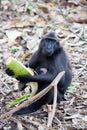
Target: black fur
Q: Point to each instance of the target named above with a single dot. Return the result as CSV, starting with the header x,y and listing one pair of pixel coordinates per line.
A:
x,y
48,61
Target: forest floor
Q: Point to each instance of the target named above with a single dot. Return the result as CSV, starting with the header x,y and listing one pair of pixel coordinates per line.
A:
x,y
22,23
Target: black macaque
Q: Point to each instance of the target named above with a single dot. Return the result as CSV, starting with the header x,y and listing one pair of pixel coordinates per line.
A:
x,y
47,61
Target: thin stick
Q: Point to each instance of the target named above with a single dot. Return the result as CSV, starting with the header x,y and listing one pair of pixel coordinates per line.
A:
x,y
49,124
34,98
17,121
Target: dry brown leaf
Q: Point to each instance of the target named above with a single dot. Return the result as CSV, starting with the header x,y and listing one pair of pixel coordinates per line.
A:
x,y
83,1
23,24
13,34
14,21
43,8
79,16
39,21
85,55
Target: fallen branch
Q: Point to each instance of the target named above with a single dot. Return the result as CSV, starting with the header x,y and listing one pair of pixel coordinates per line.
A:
x,y
34,98
52,113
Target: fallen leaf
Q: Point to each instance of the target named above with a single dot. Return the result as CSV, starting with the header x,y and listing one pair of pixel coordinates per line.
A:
x,y
13,34
43,8
2,41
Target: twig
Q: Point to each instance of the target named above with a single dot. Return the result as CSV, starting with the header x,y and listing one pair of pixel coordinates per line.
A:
x,y
16,121
59,123
34,98
7,87
49,114
1,90
35,123
0,4
54,107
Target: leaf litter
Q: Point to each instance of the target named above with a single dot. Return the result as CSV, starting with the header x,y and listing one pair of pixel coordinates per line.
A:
x,y
22,23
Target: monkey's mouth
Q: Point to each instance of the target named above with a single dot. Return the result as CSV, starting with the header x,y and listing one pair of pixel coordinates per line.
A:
x,y
47,53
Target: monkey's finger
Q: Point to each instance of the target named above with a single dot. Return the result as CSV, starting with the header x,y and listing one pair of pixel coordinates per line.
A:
x,y
9,72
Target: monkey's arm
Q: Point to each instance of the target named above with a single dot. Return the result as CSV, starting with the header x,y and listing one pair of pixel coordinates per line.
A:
x,y
37,78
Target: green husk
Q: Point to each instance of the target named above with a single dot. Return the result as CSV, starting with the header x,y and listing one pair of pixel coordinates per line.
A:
x,y
19,69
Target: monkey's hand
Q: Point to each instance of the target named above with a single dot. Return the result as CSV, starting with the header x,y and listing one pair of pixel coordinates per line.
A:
x,y
9,72
23,78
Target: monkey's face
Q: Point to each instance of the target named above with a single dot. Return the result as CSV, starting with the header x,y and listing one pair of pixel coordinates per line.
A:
x,y
48,47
